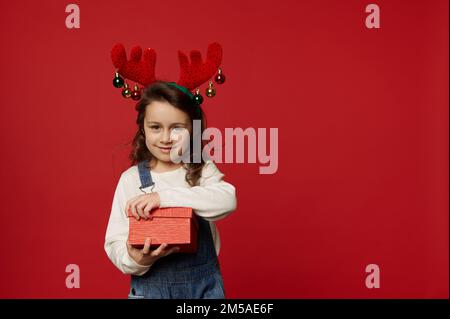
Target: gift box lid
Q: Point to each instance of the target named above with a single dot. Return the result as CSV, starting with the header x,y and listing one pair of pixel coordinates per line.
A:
x,y
173,212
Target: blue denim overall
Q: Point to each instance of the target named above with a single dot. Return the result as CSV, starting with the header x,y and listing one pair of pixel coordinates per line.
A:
x,y
181,275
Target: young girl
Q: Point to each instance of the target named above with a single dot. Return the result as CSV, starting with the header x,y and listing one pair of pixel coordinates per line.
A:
x,y
164,110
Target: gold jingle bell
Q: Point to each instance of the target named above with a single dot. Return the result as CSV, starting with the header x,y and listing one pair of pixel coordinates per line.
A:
x,y
126,92
210,91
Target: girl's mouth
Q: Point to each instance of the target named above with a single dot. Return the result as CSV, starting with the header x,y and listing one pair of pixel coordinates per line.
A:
x,y
165,149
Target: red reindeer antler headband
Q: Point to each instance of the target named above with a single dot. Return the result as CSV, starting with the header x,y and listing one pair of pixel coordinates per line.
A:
x,y
141,69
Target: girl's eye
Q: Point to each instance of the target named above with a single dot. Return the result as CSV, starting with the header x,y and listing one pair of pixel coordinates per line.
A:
x,y
157,127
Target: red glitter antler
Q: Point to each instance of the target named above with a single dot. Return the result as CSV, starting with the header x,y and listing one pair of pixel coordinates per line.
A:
x,y
140,69
194,74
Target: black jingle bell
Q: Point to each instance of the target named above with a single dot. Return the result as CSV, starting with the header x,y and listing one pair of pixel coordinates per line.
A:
x,y
118,82
198,99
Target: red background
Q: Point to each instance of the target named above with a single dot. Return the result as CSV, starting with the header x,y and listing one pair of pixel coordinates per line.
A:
x,y
363,142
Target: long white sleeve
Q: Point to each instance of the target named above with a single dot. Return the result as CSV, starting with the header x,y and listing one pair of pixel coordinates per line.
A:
x,y
117,235
214,199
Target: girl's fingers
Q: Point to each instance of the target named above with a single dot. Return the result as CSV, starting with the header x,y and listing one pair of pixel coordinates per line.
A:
x,y
147,210
139,208
132,206
159,250
133,213
133,210
146,248
128,209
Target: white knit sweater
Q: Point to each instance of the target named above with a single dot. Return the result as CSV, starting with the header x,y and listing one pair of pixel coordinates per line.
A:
x,y
213,199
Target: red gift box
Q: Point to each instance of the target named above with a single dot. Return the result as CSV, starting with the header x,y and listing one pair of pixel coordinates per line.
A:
x,y
176,226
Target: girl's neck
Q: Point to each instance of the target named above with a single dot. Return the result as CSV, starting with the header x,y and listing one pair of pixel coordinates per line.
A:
x,y
161,167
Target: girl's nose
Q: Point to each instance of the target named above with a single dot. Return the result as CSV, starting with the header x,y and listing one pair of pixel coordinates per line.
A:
x,y
166,137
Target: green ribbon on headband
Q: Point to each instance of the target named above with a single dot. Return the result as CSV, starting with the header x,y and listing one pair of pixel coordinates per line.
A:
x,y
198,110
182,88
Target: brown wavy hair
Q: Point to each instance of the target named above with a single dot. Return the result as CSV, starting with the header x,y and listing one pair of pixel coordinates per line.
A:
x,y
161,91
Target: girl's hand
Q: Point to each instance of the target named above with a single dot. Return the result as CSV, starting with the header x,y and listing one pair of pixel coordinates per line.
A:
x,y
147,257
141,205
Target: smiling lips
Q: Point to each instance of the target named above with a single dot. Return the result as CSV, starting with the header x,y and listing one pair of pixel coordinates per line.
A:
x,y
165,149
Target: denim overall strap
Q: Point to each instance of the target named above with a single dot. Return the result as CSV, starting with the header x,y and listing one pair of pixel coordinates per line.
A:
x,y
182,275
145,175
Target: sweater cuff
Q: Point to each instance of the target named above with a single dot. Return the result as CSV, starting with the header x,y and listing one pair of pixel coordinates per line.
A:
x,y
138,269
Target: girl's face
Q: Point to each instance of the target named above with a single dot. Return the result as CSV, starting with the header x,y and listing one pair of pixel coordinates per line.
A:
x,y
165,128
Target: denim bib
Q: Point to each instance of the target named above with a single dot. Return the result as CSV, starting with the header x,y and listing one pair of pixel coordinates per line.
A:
x,y
181,275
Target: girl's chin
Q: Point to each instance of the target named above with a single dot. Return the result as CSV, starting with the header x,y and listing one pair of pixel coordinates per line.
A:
x,y
164,157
